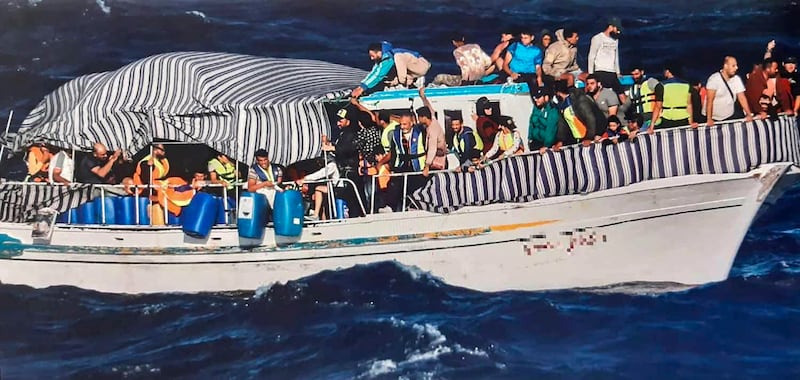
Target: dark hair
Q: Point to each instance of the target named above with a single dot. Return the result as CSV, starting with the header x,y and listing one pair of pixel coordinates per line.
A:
x,y
384,115
528,32
458,37
636,66
770,61
561,86
637,118
406,114
568,32
674,67
375,46
457,117
424,112
261,153
614,119
591,76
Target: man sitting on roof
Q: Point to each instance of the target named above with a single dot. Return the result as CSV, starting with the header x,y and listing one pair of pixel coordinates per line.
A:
x,y
392,66
523,62
474,63
561,57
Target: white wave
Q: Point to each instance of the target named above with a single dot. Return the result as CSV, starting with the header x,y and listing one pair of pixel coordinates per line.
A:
x,y
434,345
263,290
153,309
103,7
135,370
418,274
197,13
34,3
381,367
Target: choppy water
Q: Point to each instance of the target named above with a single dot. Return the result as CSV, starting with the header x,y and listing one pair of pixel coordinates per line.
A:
x,y
385,321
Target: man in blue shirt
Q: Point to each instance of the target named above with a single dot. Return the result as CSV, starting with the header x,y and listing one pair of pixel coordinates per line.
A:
x,y
523,62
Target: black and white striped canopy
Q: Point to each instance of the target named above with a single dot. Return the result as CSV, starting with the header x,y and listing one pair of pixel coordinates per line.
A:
x,y
233,103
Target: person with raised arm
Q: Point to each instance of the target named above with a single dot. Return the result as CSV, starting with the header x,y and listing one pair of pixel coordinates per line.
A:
x,y
435,142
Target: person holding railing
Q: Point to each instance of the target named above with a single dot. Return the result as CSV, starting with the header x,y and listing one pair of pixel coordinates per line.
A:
x,y
347,157
407,149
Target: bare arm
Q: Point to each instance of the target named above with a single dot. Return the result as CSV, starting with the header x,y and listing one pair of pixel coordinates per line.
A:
x,y
102,171
748,116
710,106
57,176
362,108
506,67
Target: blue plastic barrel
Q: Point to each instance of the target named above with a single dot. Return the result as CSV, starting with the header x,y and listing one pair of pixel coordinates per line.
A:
x,y
341,205
172,219
125,210
252,215
288,213
87,212
199,216
222,209
62,217
144,217
108,202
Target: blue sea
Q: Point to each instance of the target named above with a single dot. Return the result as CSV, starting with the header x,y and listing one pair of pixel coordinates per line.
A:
x,y
385,321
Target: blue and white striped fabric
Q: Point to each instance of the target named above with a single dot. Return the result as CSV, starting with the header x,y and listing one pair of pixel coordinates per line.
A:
x,y
729,148
233,103
19,203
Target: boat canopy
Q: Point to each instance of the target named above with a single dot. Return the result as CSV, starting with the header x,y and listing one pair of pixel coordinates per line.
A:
x,y
233,103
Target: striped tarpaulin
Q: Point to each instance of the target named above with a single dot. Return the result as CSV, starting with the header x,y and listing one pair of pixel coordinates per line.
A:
x,y
728,148
235,104
19,203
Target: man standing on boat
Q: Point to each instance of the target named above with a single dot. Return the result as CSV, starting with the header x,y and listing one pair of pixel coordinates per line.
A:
x,y
604,57
407,149
467,144
153,167
435,143
673,101
725,99
543,126
641,94
264,177
222,171
346,150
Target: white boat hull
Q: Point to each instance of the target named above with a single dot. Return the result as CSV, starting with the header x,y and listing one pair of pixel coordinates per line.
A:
x,y
683,230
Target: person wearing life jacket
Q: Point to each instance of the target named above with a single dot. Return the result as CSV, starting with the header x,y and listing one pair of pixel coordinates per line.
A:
x,y
507,142
581,120
38,160
151,168
641,95
467,144
673,101
543,127
407,150
485,122
222,171
523,62
264,177
153,171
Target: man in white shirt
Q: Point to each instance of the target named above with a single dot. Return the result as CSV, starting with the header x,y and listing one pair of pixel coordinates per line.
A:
x,y
725,97
61,169
604,57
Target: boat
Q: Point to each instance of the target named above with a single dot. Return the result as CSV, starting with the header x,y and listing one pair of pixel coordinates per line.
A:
x,y
671,207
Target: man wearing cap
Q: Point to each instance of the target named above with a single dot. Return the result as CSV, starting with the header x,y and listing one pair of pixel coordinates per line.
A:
x,y
346,150
673,101
789,71
604,56
264,177
543,125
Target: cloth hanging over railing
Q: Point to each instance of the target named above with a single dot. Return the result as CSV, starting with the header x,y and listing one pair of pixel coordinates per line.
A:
x,y
729,148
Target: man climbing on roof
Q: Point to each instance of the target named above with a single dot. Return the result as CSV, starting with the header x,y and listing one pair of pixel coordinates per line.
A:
x,y
392,66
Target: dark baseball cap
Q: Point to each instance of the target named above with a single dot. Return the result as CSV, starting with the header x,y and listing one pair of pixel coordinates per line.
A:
x,y
790,60
538,93
615,21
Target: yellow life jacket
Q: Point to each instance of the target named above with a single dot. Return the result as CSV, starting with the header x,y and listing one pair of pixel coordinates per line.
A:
x,y
458,141
226,172
160,169
676,97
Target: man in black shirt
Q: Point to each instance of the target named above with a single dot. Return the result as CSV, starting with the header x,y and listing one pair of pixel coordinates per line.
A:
x,y
790,72
96,168
346,149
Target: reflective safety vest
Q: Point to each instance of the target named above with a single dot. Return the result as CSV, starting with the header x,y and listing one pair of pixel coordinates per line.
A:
x,y
644,98
458,140
226,172
160,170
385,135
416,153
507,141
676,96
576,126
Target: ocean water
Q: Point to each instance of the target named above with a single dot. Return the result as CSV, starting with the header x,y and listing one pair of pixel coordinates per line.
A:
x,y
385,321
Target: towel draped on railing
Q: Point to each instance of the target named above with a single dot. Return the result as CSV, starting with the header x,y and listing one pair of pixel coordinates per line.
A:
x,y
728,148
